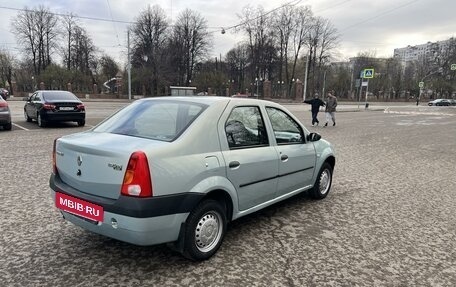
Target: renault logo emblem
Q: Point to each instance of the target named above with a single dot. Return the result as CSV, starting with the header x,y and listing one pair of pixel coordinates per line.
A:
x,y
79,160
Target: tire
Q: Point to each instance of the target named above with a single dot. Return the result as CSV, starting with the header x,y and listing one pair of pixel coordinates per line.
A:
x,y
81,123
26,116
40,121
204,230
323,183
8,127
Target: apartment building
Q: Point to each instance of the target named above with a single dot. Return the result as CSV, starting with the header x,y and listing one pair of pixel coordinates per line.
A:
x,y
428,50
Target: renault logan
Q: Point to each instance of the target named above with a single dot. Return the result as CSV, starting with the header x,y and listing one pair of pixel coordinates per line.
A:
x,y
178,169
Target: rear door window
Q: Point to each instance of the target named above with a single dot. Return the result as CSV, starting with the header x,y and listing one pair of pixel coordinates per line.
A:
x,y
245,128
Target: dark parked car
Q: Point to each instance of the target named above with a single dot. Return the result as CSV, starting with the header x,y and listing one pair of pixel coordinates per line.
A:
x,y
4,93
5,115
440,102
54,106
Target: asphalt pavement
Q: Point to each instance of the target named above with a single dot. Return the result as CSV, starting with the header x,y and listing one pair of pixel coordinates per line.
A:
x,y
388,221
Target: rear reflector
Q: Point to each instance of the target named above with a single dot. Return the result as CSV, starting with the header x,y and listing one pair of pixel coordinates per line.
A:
x,y
137,181
54,157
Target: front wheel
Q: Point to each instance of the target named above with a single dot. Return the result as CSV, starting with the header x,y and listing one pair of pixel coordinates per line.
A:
x,y
323,183
204,230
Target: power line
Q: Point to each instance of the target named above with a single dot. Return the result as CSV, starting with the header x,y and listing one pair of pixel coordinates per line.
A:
x,y
291,3
379,15
113,23
332,6
75,16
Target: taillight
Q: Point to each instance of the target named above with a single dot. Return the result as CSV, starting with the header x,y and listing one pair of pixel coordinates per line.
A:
x,y
48,107
54,157
137,181
3,106
80,107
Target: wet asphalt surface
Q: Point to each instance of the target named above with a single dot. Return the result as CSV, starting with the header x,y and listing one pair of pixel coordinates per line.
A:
x,y
388,221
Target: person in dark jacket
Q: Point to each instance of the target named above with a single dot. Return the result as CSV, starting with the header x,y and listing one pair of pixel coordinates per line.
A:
x,y
315,103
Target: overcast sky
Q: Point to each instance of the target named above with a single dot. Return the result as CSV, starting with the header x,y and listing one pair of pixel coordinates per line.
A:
x,y
376,26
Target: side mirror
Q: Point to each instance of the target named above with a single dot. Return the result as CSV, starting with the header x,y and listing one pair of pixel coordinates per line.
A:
x,y
313,137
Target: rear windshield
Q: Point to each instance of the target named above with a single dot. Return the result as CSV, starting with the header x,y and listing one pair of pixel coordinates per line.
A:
x,y
162,120
52,96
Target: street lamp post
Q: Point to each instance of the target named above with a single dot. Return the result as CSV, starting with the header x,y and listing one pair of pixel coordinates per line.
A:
x,y
257,85
305,78
281,88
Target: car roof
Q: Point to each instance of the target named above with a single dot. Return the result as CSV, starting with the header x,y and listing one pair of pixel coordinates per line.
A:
x,y
209,100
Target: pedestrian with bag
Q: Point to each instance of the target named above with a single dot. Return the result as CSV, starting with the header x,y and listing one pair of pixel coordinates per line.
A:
x,y
315,103
331,104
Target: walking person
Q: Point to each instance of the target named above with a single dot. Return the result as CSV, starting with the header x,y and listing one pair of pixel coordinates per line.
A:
x,y
315,103
331,104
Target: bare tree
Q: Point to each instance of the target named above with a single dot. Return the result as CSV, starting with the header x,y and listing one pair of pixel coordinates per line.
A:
x,y
302,22
257,26
69,24
191,41
37,31
109,67
283,25
323,38
6,69
149,40
237,59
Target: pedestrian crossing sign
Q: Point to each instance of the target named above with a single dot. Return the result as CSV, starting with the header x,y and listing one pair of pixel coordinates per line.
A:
x,y
368,73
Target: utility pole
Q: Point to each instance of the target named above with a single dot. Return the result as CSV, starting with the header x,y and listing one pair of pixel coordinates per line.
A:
x,y
129,65
305,78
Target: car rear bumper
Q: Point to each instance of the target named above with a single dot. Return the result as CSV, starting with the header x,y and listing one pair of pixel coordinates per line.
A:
x,y
63,116
138,231
140,221
5,118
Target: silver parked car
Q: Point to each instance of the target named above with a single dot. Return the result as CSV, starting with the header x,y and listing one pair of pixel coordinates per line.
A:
x,y
178,169
439,102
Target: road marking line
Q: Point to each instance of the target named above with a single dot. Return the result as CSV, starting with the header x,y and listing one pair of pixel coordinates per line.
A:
x,y
417,113
21,127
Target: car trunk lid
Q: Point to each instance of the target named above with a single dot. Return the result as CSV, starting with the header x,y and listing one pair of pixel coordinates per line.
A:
x,y
95,163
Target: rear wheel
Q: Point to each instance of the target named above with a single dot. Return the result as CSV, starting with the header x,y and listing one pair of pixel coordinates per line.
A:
x,y
204,230
40,121
26,116
323,183
81,123
8,127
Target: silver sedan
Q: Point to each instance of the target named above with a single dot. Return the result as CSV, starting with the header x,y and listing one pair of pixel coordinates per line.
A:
x,y
178,169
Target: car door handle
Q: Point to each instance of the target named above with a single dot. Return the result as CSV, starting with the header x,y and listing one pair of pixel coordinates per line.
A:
x,y
283,157
234,164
